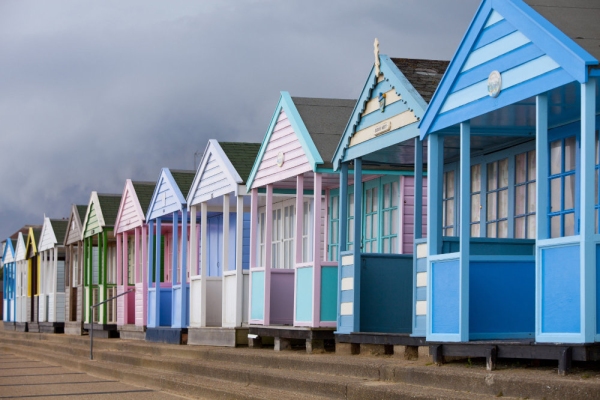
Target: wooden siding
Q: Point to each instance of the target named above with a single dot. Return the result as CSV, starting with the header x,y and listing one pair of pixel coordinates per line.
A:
x,y
74,229
129,217
408,213
166,200
283,139
92,224
47,239
213,181
20,250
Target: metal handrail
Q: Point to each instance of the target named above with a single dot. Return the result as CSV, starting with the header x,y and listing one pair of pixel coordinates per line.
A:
x,y
92,319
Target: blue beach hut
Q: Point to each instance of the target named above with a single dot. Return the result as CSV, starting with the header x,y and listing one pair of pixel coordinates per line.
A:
x,y
9,264
168,277
381,302
513,190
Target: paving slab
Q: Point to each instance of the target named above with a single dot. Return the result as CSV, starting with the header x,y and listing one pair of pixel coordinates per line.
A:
x,y
23,378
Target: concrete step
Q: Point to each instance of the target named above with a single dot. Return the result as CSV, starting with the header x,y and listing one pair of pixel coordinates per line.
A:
x,y
194,385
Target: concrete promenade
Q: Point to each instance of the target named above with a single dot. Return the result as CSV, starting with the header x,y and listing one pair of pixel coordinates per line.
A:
x,y
23,378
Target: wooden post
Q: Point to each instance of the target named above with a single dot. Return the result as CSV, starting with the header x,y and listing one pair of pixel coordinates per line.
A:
x,y
268,246
204,262
343,232
253,238
299,220
541,195
193,262
464,227
418,181
357,235
225,266
316,236
145,275
125,271
157,262
183,277
239,249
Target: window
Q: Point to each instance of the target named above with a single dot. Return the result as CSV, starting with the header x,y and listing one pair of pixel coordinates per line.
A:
x,y
350,234
525,170
497,199
371,230
562,187
476,200
130,260
448,197
389,236
307,228
334,227
261,239
282,235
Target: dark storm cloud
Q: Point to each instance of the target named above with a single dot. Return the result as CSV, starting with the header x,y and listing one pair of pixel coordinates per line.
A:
x,y
92,93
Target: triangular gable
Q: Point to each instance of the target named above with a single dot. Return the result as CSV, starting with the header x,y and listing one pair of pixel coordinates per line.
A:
x,y
20,251
8,255
94,220
507,36
47,239
215,177
288,136
130,213
403,108
167,197
31,245
74,227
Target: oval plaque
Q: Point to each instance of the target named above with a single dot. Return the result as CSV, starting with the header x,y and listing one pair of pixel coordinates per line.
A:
x,y
494,84
280,159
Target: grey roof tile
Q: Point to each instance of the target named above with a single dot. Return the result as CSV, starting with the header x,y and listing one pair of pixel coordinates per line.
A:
x,y
424,75
109,204
241,155
144,192
183,179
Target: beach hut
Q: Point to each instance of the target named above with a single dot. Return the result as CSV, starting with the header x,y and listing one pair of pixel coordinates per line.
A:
x,y
219,277
33,278
22,284
168,277
293,285
74,271
100,263
52,276
9,266
132,251
513,193
381,302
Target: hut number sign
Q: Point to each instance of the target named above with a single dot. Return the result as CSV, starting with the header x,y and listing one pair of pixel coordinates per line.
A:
x,y
494,84
280,159
382,128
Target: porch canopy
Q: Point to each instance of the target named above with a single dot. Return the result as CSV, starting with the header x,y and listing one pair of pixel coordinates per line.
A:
x,y
516,109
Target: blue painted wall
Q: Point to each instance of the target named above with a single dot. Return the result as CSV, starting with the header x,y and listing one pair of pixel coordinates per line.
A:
x,y
329,287
597,290
420,321
165,306
345,322
561,290
502,300
258,295
386,293
304,294
445,297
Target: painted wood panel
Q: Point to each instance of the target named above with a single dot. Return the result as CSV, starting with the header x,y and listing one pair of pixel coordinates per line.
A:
x,y
130,214
93,223
408,213
20,250
212,181
167,197
74,229
47,239
283,140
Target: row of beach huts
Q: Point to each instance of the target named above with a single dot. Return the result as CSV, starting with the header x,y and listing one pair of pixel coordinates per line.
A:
x,y
453,205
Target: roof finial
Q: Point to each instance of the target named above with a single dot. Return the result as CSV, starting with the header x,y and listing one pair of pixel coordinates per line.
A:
x,y
376,52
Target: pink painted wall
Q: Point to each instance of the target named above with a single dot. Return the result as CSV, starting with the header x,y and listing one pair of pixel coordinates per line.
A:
x,y
283,139
408,214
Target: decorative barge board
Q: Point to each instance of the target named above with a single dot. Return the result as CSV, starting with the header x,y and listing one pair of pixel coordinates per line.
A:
x,y
219,291
512,146
132,251
21,322
380,303
9,297
52,276
292,282
33,278
100,259
74,271
168,279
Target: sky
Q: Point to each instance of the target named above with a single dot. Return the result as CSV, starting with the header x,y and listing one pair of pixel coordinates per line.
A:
x,y
94,92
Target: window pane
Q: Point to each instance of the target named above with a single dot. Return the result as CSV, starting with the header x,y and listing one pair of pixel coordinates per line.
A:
x,y
555,226
395,194
387,195
503,172
531,227
492,176
449,212
351,205
368,227
335,212
520,228
369,202
491,230
450,184
450,232
475,228
555,157
570,224
375,226
503,204
570,153
394,222
475,208
393,245
569,192
386,223
596,187
555,195
520,200
491,206
503,229
475,178
335,231
375,199
386,245
520,168
532,168
531,197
